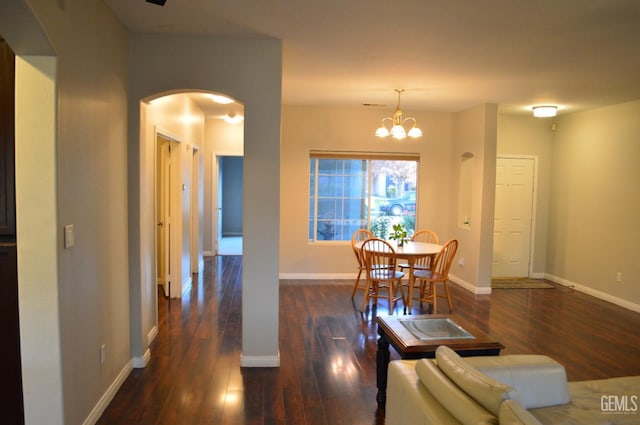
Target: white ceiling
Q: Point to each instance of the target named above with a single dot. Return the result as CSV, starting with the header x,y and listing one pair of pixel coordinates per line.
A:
x,y
447,54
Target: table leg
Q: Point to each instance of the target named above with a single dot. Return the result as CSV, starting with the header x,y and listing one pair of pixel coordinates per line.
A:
x,y
408,304
382,366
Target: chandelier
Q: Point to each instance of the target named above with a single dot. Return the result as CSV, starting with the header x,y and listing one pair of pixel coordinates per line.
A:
x,y
396,123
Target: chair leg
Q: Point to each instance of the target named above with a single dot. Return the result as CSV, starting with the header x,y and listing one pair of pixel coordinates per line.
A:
x,y
357,284
446,291
434,297
403,296
367,295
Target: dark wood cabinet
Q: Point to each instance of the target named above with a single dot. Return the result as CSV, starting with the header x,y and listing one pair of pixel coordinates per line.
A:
x,y
7,143
11,402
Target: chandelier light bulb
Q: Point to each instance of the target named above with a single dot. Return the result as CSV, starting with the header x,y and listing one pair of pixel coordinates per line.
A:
x,y
415,132
398,132
382,131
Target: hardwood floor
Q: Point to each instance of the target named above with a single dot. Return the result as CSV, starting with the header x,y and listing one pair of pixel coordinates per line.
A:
x,y
328,350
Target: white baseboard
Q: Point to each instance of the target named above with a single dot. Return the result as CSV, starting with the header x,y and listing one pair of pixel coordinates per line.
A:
x,y
537,275
260,361
468,286
318,276
594,293
153,333
106,398
141,362
351,276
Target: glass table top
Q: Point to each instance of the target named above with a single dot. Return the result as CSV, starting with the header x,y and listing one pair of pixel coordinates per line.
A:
x,y
428,329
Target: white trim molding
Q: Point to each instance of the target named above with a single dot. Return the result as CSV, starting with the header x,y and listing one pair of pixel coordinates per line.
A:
x,y
153,333
141,362
106,398
260,361
594,293
470,287
318,276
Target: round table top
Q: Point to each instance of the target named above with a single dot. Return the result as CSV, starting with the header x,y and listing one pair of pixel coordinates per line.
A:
x,y
416,249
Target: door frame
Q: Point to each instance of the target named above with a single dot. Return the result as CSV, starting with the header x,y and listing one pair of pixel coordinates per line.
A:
x,y
216,198
175,209
534,205
197,192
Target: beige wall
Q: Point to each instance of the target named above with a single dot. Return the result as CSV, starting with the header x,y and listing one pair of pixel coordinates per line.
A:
x,y
87,150
475,134
524,135
177,116
586,179
223,139
352,129
249,70
594,203
37,230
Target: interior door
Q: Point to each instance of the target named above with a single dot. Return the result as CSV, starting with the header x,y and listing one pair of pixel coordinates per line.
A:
x,y
513,217
164,201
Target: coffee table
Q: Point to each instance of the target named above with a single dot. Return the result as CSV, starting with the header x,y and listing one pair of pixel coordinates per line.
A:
x,y
416,337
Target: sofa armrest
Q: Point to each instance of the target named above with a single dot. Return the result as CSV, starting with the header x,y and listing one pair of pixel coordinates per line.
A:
x,y
539,380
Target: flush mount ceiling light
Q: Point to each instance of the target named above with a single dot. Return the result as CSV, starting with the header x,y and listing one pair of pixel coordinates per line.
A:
x,y
545,111
397,122
233,118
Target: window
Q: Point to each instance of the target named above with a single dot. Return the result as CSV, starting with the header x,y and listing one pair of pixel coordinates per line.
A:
x,y
352,191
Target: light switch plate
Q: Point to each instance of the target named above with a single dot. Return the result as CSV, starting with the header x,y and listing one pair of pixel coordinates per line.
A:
x,y
68,236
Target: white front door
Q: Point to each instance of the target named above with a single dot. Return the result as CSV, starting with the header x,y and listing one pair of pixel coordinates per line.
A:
x,y
513,217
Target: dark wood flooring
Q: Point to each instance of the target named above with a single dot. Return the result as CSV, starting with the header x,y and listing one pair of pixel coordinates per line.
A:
x,y
328,350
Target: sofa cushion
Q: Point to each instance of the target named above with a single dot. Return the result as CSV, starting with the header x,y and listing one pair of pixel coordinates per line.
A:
x,y
590,403
512,413
539,380
488,392
451,397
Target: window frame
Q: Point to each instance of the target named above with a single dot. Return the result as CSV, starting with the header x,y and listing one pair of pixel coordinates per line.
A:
x,y
312,199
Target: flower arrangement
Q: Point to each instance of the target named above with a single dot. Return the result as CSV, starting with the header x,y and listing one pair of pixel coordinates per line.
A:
x,y
399,234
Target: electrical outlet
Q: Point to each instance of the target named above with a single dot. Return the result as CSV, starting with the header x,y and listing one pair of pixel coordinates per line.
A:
x,y
619,277
103,353
68,236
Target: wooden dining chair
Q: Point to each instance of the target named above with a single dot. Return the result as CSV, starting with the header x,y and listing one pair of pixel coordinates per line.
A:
x,y
357,238
380,262
428,280
425,235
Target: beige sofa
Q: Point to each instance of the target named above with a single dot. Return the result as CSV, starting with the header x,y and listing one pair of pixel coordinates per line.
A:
x,y
510,389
